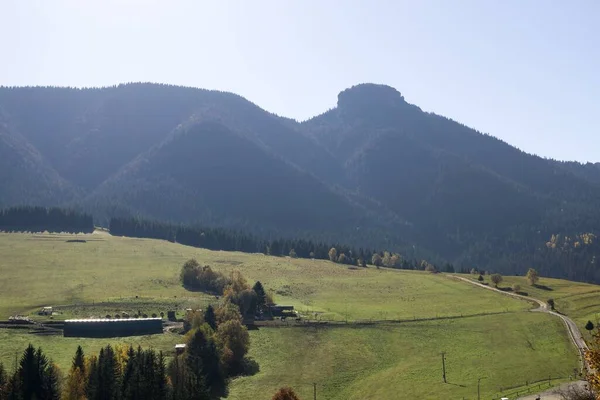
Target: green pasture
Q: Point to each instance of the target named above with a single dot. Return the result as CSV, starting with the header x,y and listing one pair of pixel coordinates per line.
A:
x,y
40,270
491,336
403,361
580,301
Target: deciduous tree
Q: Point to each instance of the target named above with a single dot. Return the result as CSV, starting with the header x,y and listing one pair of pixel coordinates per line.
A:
x,y
234,341
333,254
532,276
376,260
496,279
285,393
75,383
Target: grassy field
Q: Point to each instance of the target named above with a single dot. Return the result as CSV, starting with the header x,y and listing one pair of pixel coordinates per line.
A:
x,y
580,301
61,350
108,275
403,361
106,269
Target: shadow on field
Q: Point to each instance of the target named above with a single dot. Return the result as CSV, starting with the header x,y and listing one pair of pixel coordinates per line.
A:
x,y
543,287
456,384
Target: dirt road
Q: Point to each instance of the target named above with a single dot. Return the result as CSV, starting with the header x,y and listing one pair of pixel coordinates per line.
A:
x,y
572,329
553,394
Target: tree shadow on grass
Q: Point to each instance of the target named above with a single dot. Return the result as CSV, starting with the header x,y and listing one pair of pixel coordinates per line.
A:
x,y
456,384
543,287
249,367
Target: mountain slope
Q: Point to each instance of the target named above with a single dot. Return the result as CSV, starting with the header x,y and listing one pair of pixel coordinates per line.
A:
x,y
374,171
204,171
463,191
25,176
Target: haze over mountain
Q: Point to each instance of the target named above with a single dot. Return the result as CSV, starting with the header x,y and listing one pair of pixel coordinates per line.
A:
x,y
374,171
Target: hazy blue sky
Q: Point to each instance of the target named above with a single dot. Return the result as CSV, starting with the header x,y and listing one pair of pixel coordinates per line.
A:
x,y
526,71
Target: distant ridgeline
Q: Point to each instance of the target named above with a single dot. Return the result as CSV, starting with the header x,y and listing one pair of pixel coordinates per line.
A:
x,y
40,219
230,240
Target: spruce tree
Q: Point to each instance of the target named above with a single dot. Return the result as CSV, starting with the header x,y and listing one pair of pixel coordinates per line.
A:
x,y
3,381
79,360
260,294
589,326
204,373
210,317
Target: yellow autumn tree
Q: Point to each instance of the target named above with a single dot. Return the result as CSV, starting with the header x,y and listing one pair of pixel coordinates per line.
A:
x,y
592,357
74,388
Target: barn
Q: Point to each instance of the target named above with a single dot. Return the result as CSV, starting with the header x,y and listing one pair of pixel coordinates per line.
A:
x,y
104,327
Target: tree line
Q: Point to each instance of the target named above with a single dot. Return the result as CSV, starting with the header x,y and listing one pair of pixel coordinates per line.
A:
x,y
40,219
232,240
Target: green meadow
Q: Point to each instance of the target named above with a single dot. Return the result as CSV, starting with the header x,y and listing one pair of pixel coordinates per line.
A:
x,y
489,335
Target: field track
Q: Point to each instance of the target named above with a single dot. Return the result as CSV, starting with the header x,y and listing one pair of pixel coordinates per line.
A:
x,y
574,332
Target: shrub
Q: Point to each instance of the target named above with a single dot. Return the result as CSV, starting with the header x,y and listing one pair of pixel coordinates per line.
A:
x,y
195,277
516,288
285,393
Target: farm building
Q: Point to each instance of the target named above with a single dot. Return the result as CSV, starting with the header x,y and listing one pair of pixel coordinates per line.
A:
x,y
180,348
281,311
112,327
45,311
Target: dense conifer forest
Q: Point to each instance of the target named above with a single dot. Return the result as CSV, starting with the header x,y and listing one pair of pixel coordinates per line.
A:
x,y
41,219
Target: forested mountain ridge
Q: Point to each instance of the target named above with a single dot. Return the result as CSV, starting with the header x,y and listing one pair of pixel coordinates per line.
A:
x,y
374,171
25,176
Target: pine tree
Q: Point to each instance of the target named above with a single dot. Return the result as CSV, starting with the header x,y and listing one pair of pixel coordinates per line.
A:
x,y
79,360
3,381
210,317
75,383
108,376
260,294
203,363
589,326
93,379
36,377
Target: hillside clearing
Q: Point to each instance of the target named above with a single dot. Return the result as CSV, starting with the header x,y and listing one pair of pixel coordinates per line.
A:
x,y
53,271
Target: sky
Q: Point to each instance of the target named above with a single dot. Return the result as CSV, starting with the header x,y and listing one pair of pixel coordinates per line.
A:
x,y
525,71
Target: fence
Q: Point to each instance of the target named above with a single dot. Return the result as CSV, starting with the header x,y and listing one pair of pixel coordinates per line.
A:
x,y
532,387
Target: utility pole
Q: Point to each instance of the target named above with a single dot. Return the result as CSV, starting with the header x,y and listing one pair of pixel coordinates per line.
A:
x,y
315,390
444,366
478,381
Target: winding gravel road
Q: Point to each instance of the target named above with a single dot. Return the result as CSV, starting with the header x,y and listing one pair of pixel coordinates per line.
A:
x,y
572,329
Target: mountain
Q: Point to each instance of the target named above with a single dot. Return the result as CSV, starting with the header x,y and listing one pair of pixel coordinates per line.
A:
x,y
26,178
373,171
230,179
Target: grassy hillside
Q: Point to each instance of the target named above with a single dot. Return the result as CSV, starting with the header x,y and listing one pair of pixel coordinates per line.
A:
x,y
580,301
403,361
54,271
108,274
